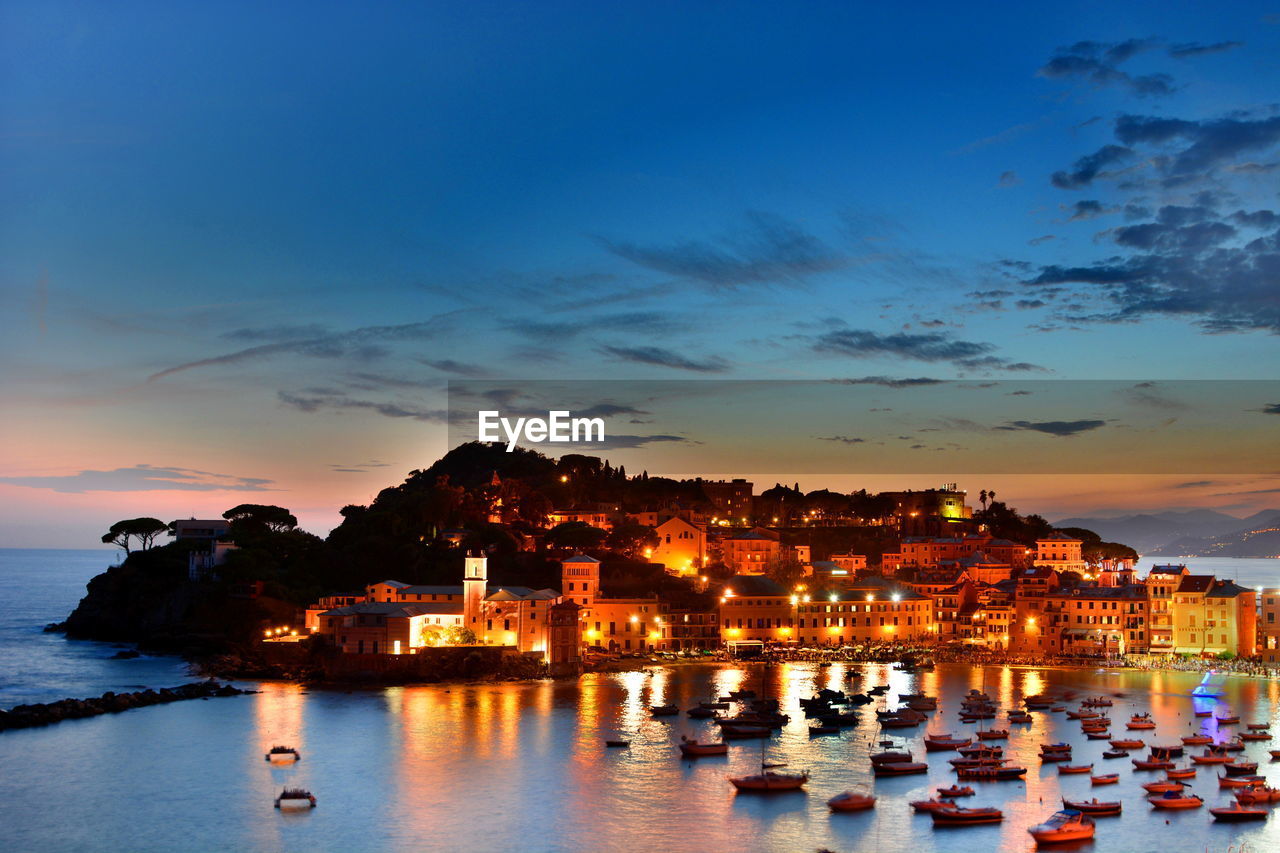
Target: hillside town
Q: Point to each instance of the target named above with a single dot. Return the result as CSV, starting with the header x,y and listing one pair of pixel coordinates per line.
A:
x,y
743,583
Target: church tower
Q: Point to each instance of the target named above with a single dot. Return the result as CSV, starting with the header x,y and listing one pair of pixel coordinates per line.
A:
x,y
475,583
580,580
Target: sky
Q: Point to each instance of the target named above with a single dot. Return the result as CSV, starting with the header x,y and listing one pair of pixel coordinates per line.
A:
x,y
245,248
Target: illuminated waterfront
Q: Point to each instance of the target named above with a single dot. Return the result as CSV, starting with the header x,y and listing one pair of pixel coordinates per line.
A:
x,y
522,766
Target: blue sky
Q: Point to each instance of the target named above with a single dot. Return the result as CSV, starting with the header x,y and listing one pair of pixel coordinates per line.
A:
x,y
257,241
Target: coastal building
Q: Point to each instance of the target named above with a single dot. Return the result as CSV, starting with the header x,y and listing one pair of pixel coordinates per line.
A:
x,y
615,624
1161,582
1269,625
1061,552
420,615
681,548
1213,617
601,517
1096,621
387,627
755,608
873,610
750,552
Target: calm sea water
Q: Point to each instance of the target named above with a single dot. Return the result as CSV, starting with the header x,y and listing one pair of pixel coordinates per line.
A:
x,y
523,767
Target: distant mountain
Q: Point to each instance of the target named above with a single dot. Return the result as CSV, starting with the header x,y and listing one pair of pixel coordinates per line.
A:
x,y
1261,538
1149,531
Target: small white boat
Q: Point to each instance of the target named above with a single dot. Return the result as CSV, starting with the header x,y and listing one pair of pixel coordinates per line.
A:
x,y
1066,825
282,755
291,799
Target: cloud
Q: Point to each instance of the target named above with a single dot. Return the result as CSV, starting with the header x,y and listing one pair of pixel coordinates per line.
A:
x,y
363,343
1058,428
1009,179
1098,63
1192,48
626,442
766,250
665,358
1203,144
1045,238
933,346
276,333
143,478
891,382
1088,209
1148,394
843,439
338,402
1091,166
638,322
448,365
357,467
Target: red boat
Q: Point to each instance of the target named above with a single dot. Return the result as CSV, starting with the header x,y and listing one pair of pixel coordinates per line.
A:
x,y
1163,787
1128,744
1258,795
1211,758
942,743
899,768
1109,779
851,801
1173,800
1237,813
932,804
1094,807
955,791
1197,740
990,774
693,749
993,734
1241,781
1183,773
889,758
1240,768
1254,737
1230,720
960,816
1068,769
1152,764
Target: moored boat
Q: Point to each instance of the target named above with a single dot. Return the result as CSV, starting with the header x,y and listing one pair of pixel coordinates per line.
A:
x,y
741,732
1107,779
1152,764
820,730
889,757
942,743
1238,812
1128,744
617,744
769,781
295,798
851,801
1197,740
668,710
282,755
1164,787
955,791
1066,825
1181,772
1203,714
1175,800
1254,737
1240,781
1115,753
932,804
961,816
1069,769
1095,807
1258,795
694,749
1229,720
899,768
1102,735
993,734
1240,768
990,774
1140,721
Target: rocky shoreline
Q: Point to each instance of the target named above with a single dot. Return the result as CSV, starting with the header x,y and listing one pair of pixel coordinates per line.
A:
x,y
44,714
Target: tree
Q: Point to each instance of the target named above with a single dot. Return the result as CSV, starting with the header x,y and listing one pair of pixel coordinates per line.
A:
x,y
575,534
982,498
785,571
628,537
457,635
145,530
257,517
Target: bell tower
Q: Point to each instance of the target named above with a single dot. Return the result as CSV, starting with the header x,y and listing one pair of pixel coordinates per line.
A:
x,y
475,583
580,579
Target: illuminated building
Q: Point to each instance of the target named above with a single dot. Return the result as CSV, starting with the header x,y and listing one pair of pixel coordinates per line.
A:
x,y
681,548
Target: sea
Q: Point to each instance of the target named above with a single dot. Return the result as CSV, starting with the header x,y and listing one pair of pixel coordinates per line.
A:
x,y
524,767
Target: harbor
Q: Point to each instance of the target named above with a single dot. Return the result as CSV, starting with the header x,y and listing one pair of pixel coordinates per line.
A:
x,y
527,766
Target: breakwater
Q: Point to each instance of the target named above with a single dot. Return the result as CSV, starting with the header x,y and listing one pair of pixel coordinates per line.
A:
x,y
44,714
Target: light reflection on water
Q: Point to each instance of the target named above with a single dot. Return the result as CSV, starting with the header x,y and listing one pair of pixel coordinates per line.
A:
x,y
524,767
